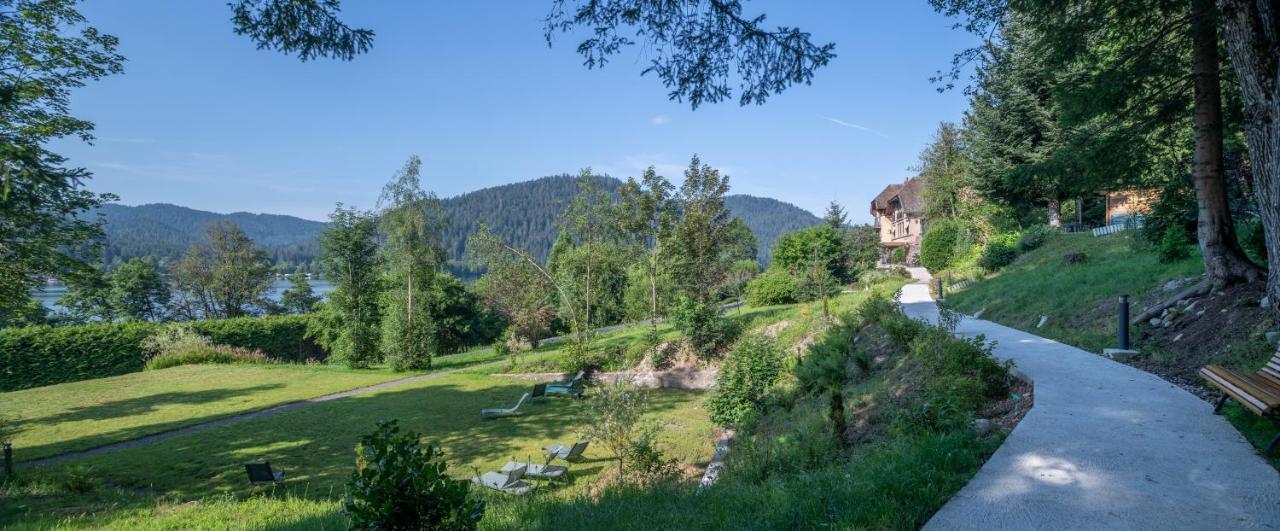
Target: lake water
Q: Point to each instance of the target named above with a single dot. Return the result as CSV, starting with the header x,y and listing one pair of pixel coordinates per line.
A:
x,y
49,295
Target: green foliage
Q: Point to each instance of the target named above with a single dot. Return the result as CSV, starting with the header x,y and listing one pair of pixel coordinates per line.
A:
x,y
46,222
795,250
747,372
942,243
707,332
1253,239
614,419
763,61
774,286
138,291
351,262
514,286
206,354
645,463
699,262
223,279
997,254
898,255
399,483
863,246
1034,237
42,355
171,339
282,337
964,370
410,225
461,319
1173,245
299,297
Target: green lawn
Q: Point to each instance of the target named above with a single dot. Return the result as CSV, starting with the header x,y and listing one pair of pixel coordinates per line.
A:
x,y
1079,299
315,446
76,416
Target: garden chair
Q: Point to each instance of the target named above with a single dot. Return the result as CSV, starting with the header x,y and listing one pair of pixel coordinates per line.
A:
x,y
495,412
567,453
508,481
545,471
539,390
262,473
568,388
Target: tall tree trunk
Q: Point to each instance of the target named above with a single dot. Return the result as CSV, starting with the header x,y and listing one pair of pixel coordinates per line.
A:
x,y
1252,28
1224,261
1055,212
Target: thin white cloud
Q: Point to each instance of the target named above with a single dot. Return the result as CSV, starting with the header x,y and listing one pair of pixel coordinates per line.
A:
x,y
660,119
851,125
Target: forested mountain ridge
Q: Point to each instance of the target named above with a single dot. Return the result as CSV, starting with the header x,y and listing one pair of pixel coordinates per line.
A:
x,y
523,214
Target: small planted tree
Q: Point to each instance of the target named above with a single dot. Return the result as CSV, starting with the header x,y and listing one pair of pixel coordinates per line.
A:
x,y
351,261
614,419
299,297
824,370
411,225
399,483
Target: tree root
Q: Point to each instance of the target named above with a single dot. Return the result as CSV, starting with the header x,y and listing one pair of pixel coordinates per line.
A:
x,y
1200,288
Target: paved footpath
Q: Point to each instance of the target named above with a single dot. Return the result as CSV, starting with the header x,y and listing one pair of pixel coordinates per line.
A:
x,y
1106,446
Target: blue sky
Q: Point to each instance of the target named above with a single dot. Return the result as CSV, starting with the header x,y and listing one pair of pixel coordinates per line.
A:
x,y
201,118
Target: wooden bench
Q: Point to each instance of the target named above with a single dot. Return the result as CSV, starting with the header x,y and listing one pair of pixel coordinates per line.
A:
x,y
1259,392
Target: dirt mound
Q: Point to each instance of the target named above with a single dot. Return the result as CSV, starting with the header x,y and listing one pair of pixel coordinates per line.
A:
x,y
1225,328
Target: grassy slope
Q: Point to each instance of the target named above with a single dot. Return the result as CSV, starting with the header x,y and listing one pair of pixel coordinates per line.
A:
x,y
1080,303
76,416
151,486
1080,300
314,447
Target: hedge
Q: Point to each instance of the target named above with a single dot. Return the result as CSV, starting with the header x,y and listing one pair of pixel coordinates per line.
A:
x,y
35,356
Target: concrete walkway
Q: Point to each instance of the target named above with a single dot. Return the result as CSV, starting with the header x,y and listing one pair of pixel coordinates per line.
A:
x,y
1106,446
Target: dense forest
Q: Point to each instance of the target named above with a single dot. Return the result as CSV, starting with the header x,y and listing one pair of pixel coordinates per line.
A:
x,y
523,213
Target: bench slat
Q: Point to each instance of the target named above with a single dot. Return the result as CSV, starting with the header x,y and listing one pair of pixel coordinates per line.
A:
x,y
1259,394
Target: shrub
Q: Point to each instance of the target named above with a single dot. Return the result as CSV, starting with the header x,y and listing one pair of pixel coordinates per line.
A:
x,y
42,355
774,286
941,244
1173,245
401,484
283,337
898,255
645,463
753,366
997,254
613,419
1034,237
172,339
203,354
707,332
944,356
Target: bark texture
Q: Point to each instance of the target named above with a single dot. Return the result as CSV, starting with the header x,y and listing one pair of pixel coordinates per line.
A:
x,y
1224,261
1252,29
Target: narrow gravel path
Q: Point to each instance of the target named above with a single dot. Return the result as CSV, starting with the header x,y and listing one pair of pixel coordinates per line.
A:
x,y
1106,446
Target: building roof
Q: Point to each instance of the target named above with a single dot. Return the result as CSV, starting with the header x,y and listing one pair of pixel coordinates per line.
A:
x,y
910,195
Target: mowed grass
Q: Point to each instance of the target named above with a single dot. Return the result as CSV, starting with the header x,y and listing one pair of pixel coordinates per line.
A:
x,y
1080,300
75,416
315,447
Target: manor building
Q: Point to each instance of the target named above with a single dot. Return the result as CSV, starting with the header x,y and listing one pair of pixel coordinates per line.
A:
x,y
899,214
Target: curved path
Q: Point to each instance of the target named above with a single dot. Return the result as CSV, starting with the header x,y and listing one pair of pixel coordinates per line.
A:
x,y
1106,446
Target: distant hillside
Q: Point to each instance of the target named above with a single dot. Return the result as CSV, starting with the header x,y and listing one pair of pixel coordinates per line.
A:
x,y
522,213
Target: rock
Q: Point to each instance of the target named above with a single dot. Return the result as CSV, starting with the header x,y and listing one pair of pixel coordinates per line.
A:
x,y
1176,338
1120,354
1199,313
1043,318
983,426
1274,339
1164,313
1166,323
1155,321
1191,306
978,314
1265,302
